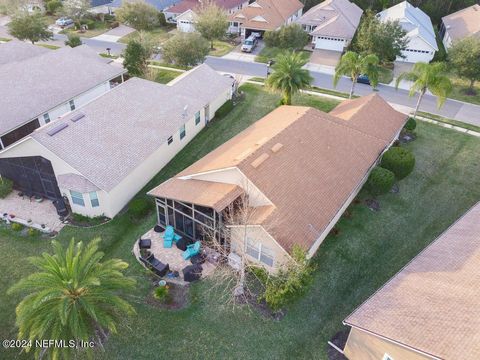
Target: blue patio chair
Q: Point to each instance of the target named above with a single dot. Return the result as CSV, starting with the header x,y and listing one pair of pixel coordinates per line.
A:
x,y
169,237
192,250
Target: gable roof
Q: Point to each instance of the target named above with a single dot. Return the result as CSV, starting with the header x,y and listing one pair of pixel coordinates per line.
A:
x,y
463,23
413,20
273,14
305,161
185,5
48,80
121,128
16,50
431,305
337,18
160,5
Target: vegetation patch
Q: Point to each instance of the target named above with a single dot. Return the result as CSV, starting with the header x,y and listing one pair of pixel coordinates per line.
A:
x,y
380,181
270,53
398,160
6,187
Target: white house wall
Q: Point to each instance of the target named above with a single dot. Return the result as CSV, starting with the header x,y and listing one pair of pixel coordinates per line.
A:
x,y
417,51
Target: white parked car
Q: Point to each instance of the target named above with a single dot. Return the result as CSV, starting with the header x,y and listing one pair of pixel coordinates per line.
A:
x,y
63,21
249,44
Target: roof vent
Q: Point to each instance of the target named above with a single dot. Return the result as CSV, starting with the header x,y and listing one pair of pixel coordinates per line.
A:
x,y
244,154
57,129
77,117
277,147
261,141
258,161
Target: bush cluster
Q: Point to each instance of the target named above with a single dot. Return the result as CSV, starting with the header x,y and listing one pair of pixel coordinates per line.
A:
x,y
17,227
162,294
411,124
6,187
398,160
287,37
139,208
380,181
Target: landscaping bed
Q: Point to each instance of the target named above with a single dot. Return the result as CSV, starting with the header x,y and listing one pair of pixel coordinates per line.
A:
x,y
369,249
270,53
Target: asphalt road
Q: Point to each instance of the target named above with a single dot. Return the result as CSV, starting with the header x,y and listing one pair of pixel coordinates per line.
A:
x,y
98,45
452,109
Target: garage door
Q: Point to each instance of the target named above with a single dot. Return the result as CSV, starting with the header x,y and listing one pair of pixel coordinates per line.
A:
x,y
327,44
414,57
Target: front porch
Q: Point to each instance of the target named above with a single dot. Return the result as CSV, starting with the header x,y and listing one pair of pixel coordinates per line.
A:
x,y
173,257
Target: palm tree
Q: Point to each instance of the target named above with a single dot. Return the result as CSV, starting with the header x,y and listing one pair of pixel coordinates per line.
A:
x,y
74,296
288,76
353,65
431,77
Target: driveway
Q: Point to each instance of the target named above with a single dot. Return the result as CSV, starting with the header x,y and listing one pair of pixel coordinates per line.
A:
x,y
401,67
238,54
115,34
325,57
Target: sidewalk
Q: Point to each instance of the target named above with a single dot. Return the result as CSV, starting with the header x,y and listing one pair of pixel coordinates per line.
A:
x,y
114,34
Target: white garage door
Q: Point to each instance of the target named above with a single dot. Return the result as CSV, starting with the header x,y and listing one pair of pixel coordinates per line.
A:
x,y
416,56
329,44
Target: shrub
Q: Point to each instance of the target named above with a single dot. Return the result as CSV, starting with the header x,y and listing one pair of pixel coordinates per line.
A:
x,y
89,22
139,207
398,160
287,37
6,186
33,232
185,49
114,25
224,109
411,124
17,227
380,181
52,6
162,294
73,40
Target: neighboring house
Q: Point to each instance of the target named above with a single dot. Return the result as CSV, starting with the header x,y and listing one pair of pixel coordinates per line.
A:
x,y
173,13
422,43
98,157
46,85
460,25
264,15
331,24
297,168
186,21
428,310
160,5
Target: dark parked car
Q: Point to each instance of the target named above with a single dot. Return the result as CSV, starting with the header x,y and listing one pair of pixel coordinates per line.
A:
x,y
363,79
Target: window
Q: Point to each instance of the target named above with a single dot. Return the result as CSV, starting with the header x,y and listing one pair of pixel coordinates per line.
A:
x,y
46,118
197,118
94,199
266,256
182,132
77,198
260,252
170,140
72,104
253,249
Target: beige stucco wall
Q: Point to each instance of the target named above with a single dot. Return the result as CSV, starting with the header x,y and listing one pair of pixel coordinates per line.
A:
x,y
259,235
364,346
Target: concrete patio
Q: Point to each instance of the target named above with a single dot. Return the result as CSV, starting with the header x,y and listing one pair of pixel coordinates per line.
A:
x,y
26,209
171,256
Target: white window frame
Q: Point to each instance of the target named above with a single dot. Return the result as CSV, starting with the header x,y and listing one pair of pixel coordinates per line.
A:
x,y
170,140
198,118
258,248
94,200
46,118
77,198
72,105
183,131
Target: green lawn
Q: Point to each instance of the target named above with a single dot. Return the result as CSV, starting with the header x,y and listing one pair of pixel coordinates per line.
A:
x,y
163,76
99,28
269,53
370,248
221,48
385,75
459,91
158,35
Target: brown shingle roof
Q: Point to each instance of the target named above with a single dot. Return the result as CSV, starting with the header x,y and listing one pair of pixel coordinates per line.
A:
x,y
274,12
306,162
432,304
463,23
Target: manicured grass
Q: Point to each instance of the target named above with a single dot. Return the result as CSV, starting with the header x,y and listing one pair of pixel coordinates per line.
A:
x,y
369,249
105,55
221,48
449,121
173,66
459,91
385,76
48,46
158,35
165,76
98,29
269,53
2,39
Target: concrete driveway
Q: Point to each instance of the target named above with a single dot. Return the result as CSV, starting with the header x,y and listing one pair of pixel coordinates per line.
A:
x,y
115,34
237,54
401,67
325,57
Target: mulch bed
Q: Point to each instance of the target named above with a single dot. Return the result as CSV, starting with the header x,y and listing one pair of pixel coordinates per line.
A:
x,y
261,307
395,189
405,138
179,298
373,204
339,340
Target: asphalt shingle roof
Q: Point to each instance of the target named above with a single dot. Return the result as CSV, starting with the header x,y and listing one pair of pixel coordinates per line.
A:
x,y
16,50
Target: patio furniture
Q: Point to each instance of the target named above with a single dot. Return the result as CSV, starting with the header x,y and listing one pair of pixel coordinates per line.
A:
x,y
144,243
192,272
158,229
182,244
191,250
198,259
155,265
169,237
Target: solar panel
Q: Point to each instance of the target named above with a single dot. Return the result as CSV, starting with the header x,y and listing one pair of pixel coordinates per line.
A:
x,y
77,117
57,129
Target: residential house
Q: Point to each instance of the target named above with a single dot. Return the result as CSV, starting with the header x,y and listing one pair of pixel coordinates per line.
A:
x,y
428,310
160,5
296,171
41,86
332,24
422,43
98,157
460,25
183,13
264,15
